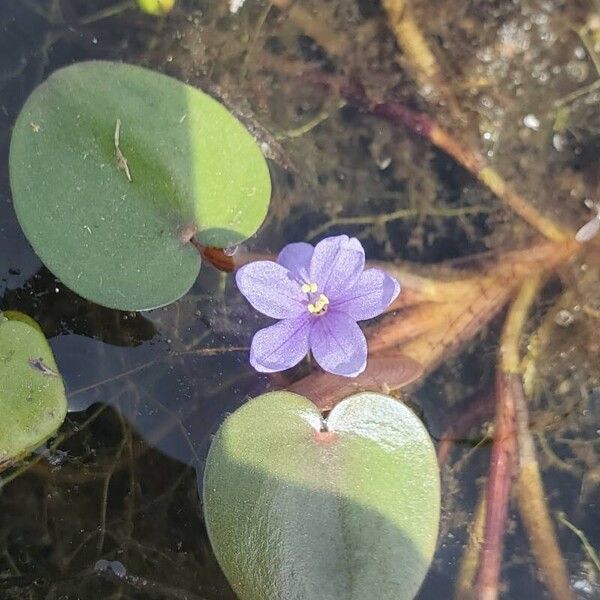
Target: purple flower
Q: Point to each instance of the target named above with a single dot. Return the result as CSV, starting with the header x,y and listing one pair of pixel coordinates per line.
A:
x,y
319,293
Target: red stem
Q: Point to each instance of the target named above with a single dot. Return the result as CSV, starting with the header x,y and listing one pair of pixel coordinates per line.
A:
x,y
502,462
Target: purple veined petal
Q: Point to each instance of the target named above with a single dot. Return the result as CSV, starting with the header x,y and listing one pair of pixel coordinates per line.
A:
x,y
338,344
280,346
336,265
271,289
296,259
374,291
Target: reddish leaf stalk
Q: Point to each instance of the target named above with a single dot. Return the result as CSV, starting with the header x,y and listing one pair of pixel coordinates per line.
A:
x,y
504,450
534,509
502,461
426,127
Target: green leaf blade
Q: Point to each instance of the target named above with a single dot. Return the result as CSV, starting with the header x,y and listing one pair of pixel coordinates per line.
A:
x,y
339,515
33,402
117,242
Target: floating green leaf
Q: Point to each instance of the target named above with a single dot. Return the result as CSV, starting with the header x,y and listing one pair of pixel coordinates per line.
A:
x,y
32,395
295,512
113,169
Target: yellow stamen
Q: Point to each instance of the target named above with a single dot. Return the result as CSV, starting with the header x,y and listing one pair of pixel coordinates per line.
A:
x,y
319,306
309,288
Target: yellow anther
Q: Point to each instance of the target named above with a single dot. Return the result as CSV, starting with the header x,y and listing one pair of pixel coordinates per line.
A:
x,y
309,288
319,306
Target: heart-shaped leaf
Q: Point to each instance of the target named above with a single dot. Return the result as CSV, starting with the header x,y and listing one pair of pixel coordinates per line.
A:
x,y
32,395
114,168
304,509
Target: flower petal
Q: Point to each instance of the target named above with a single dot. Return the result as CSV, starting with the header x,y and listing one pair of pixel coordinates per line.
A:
x,y
280,346
374,291
296,258
336,265
338,344
271,289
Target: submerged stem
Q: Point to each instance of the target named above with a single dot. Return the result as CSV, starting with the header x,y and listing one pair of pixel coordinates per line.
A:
x,y
534,508
502,461
504,449
514,442
470,559
529,486
110,11
589,549
465,155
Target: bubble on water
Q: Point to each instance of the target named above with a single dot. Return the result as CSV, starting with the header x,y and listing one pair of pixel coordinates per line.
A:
x,y
582,585
540,18
101,566
235,5
559,142
486,102
577,70
56,457
540,72
514,38
485,55
384,163
564,318
117,568
531,121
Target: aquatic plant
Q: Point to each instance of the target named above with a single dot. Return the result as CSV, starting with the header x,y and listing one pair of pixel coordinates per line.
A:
x,y
343,507
319,293
122,217
33,403
120,174
441,310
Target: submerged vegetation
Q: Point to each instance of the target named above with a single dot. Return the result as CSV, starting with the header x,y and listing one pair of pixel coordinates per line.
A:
x,y
458,141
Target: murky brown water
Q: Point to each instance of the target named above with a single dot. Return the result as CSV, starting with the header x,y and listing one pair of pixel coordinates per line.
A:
x,y
147,390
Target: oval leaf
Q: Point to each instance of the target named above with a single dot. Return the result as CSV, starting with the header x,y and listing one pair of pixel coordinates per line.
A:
x,y
32,395
296,512
113,169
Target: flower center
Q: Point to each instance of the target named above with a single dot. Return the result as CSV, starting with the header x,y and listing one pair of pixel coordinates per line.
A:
x,y
309,288
318,306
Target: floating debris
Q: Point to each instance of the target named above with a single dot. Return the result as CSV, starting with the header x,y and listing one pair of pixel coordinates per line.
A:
x,y
591,228
531,122
235,5
39,365
121,160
